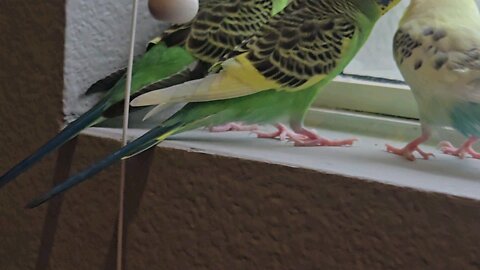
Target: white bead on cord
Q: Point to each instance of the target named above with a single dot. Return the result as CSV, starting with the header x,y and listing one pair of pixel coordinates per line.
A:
x,y
174,11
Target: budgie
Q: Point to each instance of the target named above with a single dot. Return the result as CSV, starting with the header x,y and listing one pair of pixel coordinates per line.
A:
x,y
437,49
291,57
183,52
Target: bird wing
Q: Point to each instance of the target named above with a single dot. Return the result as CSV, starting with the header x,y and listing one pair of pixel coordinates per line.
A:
x,y
298,48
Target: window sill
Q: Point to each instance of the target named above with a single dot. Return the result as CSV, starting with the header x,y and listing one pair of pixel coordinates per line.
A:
x,y
366,160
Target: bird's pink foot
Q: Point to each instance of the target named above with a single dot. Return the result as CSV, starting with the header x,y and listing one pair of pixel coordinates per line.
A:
x,y
282,132
408,151
233,127
302,137
412,147
311,138
324,142
319,141
461,152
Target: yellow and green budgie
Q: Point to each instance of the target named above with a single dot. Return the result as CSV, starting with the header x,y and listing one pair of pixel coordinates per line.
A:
x,y
437,49
276,74
183,52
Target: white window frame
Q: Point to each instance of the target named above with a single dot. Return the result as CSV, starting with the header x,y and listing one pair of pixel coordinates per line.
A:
x,y
372,106
357,93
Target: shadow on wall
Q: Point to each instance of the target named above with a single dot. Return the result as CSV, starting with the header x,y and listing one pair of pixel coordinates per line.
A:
x,y
137,172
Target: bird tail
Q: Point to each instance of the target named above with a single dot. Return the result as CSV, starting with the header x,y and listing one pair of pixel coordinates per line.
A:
x,y
217,86
148,140
466,117
87,119
168,61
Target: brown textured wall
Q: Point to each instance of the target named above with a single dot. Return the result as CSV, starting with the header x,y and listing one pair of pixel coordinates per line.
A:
x,y
190,210
31,82
199,211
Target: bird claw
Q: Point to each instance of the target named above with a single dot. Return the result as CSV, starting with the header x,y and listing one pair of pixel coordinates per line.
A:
x,y
303,137
282,132
233,127
461,152
319,141
408,151
313,139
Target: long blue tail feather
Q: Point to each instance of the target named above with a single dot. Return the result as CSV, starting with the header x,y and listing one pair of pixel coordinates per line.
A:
x,y
62,137
141,144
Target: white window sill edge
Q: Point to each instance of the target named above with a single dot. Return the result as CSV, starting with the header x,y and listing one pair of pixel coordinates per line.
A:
x,y
368,95
366,160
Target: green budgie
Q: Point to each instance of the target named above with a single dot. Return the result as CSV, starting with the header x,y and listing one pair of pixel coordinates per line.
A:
x,y
297,52
183,52
437,49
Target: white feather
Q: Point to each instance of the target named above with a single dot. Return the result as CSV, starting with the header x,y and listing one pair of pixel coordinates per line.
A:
x,y
174,93
213,87
154,111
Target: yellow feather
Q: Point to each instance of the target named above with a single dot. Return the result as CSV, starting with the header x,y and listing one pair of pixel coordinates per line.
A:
x,y
238,78
243,70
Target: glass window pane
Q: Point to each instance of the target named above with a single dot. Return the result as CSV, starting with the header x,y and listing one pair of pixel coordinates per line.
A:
x,y
375,58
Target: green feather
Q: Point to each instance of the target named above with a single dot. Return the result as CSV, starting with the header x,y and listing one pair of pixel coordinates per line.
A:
x,y
219,27
302,29
158,63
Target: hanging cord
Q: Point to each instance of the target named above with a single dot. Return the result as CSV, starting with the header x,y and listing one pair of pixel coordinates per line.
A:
x,y
128,86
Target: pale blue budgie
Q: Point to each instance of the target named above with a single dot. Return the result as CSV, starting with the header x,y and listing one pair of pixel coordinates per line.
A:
x,y
437,49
